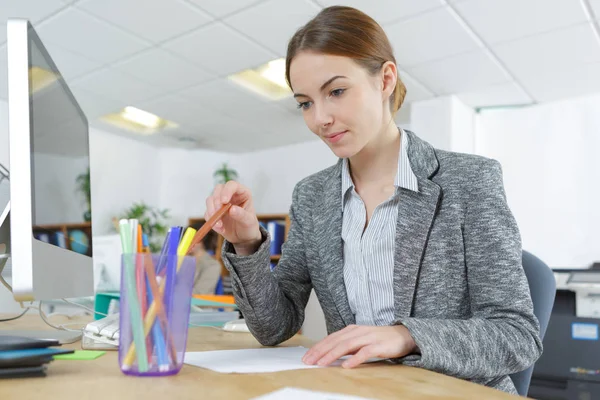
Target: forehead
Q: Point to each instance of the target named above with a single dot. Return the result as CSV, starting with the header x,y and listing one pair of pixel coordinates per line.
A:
x,y
309,70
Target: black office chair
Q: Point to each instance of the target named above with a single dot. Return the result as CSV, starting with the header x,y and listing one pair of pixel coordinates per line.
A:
x,y
542,285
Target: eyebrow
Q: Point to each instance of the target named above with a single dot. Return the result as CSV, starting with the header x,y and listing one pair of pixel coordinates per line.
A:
x,y
323,86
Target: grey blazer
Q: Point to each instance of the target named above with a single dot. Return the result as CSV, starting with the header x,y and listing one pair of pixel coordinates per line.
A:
x,y
459,285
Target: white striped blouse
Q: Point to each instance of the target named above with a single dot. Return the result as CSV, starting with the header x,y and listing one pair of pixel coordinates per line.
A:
x,y
369,255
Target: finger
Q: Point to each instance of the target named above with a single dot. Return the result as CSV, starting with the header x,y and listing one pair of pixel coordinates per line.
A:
x,y
346,347
242,216
210,208
363,355
317,351
217,203
229,189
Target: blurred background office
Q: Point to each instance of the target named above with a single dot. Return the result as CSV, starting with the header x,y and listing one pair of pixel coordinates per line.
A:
x,y
183,94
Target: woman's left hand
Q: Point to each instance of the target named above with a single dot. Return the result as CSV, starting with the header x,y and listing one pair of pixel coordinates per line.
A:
x,y
364,342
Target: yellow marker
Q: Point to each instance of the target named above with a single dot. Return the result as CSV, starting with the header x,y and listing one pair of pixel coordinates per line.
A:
x,y
182,249
184,245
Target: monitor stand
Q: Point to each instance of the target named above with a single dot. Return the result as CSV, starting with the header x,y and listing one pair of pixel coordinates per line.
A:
x,y
63,337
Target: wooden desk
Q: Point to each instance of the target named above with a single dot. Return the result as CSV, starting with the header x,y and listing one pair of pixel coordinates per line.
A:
x,y
102,379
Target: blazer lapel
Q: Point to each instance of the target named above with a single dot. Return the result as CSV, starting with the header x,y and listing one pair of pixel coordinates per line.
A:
x,y
328,220
416,213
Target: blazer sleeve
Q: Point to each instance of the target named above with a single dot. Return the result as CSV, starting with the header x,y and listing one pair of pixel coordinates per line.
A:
x,y
272,303
502,335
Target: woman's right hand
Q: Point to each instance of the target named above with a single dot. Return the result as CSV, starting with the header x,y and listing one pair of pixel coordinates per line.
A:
x,y
239,226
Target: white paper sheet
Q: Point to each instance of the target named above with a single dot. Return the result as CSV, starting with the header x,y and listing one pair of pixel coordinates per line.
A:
x,y
289,393
248,361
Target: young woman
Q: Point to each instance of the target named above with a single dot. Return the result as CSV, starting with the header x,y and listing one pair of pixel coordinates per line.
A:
x,y
413,252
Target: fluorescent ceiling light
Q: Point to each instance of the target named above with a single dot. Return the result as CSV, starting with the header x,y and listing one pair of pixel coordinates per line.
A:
x,y
268,80
138,121
141,117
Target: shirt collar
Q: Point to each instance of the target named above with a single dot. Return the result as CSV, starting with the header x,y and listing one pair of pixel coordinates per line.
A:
x,y
405,177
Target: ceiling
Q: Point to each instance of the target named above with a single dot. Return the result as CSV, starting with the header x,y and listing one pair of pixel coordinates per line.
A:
x,y
171,57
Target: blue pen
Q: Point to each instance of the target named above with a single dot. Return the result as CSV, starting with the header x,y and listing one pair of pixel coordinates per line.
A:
x,y
159,338
157,334
163,254
171,268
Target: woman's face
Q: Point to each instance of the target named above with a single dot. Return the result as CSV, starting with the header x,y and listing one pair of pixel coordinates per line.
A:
x,y
341,102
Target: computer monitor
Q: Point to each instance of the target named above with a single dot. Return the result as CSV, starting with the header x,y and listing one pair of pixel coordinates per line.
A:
x,y
49,149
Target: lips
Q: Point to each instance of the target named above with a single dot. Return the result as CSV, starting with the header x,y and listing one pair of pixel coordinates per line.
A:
x,y
336,137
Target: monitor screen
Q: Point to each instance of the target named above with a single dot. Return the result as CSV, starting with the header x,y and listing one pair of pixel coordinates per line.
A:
x,y
61,212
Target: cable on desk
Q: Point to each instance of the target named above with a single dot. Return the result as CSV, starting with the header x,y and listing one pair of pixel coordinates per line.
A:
x,y
17,317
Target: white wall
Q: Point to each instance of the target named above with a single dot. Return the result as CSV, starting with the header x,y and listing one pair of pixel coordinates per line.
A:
x,y
445,122
272,174
187,180
549,155
123,171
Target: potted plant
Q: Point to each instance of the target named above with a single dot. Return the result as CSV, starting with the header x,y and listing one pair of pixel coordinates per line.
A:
x,y
225,174
83,186
152,220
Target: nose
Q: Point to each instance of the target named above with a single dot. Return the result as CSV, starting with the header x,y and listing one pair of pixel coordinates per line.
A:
x,y
322,117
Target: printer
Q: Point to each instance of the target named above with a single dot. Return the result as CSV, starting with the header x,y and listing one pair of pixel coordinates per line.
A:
x,y
569,367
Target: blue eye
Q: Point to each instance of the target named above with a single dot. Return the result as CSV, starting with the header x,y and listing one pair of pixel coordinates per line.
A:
x,y
337,92
304,105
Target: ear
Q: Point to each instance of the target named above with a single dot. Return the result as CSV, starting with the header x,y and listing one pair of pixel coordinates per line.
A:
x,y
389,77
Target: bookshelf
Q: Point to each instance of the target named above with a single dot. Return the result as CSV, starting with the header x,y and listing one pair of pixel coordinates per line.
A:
x,y
264,218
65,229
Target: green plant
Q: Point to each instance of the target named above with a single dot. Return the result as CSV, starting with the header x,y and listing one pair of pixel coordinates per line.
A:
x,y
225,174
152,220
84,187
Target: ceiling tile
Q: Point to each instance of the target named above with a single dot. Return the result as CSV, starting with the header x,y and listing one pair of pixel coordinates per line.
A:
x,y
557,85
93,105
219,49
246,140
163,20
230,134
497,95
115,85
161,68
220,8
101,42
274,22
189,114
430,36
69,64
489,17
384,11
554,51
33,10
225,95
415,91
465,72
275,119
289,104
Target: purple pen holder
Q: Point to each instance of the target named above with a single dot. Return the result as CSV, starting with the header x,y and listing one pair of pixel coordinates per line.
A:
x,y
154,317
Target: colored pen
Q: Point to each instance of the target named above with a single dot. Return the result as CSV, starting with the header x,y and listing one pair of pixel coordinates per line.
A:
x,y
135,316
152,291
